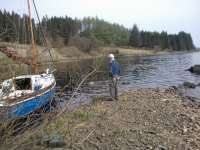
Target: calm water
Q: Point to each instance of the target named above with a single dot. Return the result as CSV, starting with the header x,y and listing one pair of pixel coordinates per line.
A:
x,y
160,71
142,72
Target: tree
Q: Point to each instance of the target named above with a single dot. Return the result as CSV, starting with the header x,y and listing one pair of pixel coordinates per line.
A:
x,y
164,42
135,39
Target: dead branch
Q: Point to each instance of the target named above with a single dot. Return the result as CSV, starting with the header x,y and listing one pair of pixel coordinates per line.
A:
x,y
86,137
75,92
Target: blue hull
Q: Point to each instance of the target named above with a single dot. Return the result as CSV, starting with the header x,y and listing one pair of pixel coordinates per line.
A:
x,y
28,106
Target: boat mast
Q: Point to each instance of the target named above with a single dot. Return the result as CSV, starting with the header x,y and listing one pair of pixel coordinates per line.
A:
x,y
33,48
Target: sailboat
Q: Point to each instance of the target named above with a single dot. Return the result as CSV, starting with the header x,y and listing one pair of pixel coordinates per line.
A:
x,y
22,95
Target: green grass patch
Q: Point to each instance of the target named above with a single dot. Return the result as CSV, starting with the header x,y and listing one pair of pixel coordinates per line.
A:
x,y
81,115
6,60
63,125
120,132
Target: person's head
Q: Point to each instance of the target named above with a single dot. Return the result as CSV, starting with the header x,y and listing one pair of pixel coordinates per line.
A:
x,y
111,57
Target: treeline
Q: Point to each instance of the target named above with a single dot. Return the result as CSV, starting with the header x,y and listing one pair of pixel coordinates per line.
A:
x,y
15,28
87,34
163,40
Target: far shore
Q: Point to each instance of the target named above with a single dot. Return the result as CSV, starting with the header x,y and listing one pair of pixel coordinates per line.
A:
x,y
103,52
70,54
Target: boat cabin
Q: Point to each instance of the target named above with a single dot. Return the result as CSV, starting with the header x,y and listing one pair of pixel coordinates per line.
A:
x,y
24,85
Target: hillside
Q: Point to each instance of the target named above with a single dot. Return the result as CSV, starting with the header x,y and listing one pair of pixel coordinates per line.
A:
x,y
88,34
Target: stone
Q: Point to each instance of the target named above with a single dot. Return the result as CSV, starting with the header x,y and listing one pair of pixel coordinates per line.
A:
x,y
149,147
91,83
56,140
44,140
198,84
185,129
125,82
195,69
189,85
160,147
131,140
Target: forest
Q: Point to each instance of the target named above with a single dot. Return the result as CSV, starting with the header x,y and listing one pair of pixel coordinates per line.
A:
x,y
88,33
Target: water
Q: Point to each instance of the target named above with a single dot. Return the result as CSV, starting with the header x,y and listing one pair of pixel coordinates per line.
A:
x,y
160,71
144,72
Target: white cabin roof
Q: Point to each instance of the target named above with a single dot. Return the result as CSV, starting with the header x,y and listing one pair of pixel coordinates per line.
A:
x,y
28,76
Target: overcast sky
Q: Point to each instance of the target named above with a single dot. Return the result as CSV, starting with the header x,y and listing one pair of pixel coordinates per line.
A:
x,y
153,15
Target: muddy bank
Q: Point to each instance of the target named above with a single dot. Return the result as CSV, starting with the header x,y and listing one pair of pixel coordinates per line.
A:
x,y
142,119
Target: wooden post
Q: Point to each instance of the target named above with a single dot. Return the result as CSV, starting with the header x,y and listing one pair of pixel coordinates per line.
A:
x,y
33,48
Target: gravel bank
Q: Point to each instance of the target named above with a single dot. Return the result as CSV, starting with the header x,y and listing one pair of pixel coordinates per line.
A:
x,y
140,120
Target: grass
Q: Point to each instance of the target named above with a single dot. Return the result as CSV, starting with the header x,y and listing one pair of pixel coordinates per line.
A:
x,y
61,124
5,60
131,51
120,132
81,115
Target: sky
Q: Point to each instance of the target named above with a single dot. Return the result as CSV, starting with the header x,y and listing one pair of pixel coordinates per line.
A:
x,y
151,15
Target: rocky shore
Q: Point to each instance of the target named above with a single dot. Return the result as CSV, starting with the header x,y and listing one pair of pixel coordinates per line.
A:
x,y
144,119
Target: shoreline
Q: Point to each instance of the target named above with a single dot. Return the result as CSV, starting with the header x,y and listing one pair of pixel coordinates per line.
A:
x,y
140,119
64,54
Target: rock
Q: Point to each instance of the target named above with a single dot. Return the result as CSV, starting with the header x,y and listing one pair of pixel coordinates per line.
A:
x,y
185,129
131,140
164,100
125,82
198,84
44,140
91,83
183,146
195,69
174,87
53,140
160,147
171,89
149,147
56,141
189,85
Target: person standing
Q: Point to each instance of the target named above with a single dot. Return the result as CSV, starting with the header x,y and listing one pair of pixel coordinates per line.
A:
x,y
114,76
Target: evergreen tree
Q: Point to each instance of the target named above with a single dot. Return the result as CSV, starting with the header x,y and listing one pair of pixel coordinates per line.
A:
x,y
164,42
135,39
